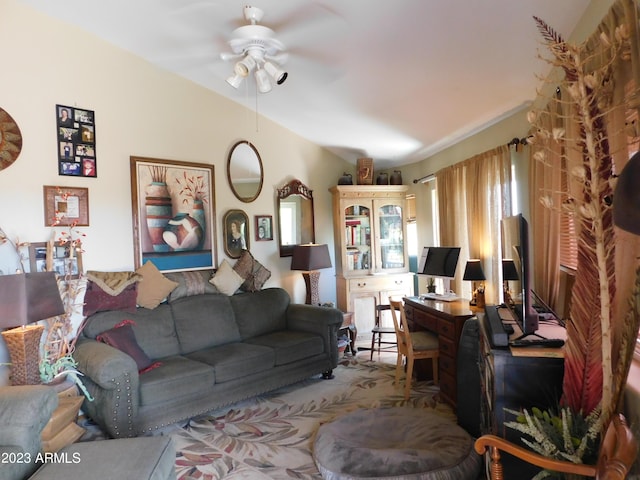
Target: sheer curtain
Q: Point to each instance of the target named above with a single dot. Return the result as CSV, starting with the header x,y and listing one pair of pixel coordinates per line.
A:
x,y
473,196
552,177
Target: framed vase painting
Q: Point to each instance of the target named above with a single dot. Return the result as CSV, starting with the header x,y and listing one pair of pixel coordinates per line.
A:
x,y
173,205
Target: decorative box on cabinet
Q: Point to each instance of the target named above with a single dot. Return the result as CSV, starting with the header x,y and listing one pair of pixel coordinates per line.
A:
x,y
372,262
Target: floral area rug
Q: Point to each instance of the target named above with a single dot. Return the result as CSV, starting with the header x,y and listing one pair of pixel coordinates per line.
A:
x,y
271,436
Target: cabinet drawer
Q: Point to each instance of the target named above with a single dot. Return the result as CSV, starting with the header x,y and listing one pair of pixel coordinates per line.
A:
x,y
447,346
446,329
425,320
376,284
448,388
447,364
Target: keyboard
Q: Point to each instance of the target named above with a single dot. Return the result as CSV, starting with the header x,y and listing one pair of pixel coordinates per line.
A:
x,y
449,297
537,342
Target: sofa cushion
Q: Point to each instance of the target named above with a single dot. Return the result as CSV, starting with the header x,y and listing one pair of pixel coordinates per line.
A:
x,y
98,300
236,360
154,286
190,283
226,279
177,377
204,321
254,273
260,312
122,337
290,346
154,329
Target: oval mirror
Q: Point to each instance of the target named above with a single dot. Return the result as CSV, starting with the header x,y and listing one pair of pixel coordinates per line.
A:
x,y
244,171
295,217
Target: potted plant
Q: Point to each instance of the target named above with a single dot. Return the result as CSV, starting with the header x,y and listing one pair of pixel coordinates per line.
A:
x,y
431,285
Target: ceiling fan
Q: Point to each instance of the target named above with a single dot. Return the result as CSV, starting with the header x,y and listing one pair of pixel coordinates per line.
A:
x,y
256,50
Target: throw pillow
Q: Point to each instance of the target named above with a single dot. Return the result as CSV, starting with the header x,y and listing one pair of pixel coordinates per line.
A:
x,y
226,279
254,273
123,338
97,300
154,286
190,283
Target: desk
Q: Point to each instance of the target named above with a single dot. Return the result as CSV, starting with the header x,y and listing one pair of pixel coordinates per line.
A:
x,y
446,320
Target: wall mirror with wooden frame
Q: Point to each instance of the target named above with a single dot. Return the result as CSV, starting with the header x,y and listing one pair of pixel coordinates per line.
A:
x,y
244,171
295,216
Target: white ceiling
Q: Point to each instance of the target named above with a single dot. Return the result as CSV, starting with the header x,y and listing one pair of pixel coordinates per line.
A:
x,y
394,80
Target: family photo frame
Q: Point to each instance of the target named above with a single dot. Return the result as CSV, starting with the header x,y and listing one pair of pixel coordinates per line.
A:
x,y
66,206
264,227
236,233
64,262
173,207
76,133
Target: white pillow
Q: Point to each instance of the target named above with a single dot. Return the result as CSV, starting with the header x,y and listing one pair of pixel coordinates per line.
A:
x,y
226,280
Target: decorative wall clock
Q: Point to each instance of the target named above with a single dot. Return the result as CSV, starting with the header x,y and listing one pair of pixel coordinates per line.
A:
x,y
10,140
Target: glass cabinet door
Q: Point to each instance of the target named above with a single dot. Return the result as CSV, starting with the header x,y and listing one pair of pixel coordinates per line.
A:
x,y
391,230
357,233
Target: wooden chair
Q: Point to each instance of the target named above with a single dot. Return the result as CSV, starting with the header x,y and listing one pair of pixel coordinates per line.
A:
x,y
618,451
413,346
378,331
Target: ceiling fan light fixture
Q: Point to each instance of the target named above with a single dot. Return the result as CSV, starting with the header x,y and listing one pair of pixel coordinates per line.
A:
x,y
262,79
276,72
235,80
244,66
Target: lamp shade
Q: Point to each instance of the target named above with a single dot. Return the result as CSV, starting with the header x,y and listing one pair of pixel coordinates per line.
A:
x,y
509,271
310,257
28,297
473,271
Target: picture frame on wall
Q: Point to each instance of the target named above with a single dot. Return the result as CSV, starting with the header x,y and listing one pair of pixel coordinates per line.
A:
x,y
236,233
63,262
66,206
76,133
264,227
173,206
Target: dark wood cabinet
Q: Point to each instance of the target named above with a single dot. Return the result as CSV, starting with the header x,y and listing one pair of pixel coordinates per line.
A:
x,y
522,378
446,319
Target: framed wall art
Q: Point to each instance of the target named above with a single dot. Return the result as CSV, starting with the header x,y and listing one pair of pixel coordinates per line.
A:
x,y
63,261
173,206
264,228
76,132
236,232
66,206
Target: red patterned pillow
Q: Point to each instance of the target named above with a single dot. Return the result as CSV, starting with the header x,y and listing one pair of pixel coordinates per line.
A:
x,y
97,300
123,338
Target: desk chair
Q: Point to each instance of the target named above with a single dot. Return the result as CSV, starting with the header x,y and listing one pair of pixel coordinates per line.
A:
x,y
413,346
618,451
378,331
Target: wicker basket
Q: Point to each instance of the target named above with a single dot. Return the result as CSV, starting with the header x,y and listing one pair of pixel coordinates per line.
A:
x,y
23,344
365,171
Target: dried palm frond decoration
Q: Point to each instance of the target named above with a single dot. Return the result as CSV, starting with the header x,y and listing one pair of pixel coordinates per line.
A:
x,y
590,379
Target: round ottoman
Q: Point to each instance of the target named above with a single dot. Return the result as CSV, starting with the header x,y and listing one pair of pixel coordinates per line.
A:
x,y
399,443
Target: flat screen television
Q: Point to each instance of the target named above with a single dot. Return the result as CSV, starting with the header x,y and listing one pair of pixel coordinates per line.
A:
x,y
515,246
439,261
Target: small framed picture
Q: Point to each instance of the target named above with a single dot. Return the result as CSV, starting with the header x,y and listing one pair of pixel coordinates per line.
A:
x,y
236,233
66,206
264,228
64,263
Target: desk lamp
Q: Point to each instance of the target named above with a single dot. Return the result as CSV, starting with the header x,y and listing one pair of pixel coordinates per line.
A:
x,y
473,272
509,272
310,258
26,298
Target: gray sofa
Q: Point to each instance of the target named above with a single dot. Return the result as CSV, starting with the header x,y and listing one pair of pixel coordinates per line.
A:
x,y
214,350
24,412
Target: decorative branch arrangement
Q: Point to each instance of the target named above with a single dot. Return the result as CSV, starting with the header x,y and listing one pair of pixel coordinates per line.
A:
x,y
590,379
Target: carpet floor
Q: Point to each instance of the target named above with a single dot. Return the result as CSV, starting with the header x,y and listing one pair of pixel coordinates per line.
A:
x,y
271,436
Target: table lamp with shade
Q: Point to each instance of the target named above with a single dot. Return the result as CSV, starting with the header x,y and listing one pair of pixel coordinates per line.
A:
x,y
509,273
26,298
473,272
310,258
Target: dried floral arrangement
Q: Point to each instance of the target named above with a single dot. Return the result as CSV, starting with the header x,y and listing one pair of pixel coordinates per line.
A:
x,y
595,375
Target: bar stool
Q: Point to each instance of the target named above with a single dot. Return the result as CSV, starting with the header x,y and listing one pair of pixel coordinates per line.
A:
x,y
379,331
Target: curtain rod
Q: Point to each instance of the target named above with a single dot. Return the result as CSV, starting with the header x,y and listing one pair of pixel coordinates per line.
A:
x,y
425,179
